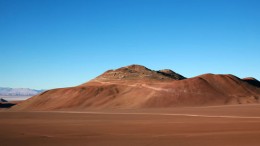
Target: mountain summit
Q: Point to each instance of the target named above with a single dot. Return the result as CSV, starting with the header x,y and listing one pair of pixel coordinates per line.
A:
x,y
138,72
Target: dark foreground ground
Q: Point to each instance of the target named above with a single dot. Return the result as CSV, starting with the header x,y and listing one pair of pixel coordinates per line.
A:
x,y
206,126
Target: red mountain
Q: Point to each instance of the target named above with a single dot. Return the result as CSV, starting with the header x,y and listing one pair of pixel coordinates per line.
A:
x,y
136,86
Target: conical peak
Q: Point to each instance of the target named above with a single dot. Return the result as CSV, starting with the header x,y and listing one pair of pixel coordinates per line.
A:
x,y
138,72
134,67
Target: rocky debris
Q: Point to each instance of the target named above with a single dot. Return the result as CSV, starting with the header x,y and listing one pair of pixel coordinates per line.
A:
x,y
138,72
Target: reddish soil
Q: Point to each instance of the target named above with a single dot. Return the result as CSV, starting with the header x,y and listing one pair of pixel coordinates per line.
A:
x,y
135,87
232,125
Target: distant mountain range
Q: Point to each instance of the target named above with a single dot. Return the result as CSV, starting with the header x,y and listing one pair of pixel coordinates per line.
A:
x,y
4,91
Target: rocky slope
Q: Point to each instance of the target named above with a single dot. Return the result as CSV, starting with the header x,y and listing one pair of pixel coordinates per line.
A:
x,y
136,86
138,72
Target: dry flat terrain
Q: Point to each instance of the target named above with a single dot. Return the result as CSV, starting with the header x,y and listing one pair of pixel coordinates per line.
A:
x,y
232,125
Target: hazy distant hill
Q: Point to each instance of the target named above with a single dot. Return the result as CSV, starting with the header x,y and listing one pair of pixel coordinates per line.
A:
x,y
18,91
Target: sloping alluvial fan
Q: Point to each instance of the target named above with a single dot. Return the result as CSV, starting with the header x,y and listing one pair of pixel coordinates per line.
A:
x,y
136,86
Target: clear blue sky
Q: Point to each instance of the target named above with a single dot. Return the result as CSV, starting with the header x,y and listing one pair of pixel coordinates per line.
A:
x,y
59,43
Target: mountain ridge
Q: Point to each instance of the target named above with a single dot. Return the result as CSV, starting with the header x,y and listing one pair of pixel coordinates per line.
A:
x,y
136,86
7,91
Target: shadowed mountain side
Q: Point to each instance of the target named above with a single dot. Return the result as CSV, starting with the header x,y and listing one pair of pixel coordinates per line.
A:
x,y
252,81
6,104
3,100
208,89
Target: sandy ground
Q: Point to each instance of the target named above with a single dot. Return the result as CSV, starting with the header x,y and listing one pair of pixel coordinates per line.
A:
x,y
197,126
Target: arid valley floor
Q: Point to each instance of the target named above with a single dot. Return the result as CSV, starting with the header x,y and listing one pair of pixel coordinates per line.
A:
x,y
230,125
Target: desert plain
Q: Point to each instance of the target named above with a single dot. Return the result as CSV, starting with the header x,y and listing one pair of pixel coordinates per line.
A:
x,y
228,125
137,106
